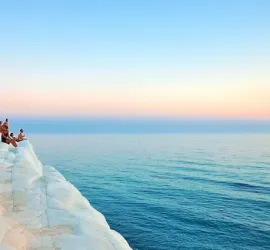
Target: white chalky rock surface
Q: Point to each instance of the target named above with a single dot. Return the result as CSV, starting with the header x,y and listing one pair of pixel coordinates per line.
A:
x,y
40,209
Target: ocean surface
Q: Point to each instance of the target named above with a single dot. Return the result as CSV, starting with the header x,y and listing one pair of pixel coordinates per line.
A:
x,y
171,191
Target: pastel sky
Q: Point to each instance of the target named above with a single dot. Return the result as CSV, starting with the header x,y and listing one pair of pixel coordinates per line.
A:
x,y
146,58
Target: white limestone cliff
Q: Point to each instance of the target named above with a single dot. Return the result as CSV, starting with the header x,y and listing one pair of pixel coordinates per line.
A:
x,y
40,209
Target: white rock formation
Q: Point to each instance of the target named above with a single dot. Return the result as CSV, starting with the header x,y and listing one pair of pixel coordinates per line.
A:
x,y
40,209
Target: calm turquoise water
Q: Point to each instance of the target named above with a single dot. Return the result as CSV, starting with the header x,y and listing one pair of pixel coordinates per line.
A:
x,y
171,191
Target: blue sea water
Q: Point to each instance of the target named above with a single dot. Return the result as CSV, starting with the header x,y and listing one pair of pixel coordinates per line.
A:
x,y
171,191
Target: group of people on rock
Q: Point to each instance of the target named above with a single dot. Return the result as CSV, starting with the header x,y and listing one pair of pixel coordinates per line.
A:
x,y
8,137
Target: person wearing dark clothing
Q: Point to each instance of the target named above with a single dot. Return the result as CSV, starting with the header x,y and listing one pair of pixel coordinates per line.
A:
x,y
5,138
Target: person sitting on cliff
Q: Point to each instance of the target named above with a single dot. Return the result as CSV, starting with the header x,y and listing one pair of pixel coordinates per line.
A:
x,y
21,136
5,137
13,137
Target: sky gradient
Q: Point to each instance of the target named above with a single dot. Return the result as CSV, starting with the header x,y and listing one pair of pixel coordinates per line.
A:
x,y
184,59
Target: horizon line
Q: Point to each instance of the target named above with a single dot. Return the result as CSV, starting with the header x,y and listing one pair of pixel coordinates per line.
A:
x,y
141,118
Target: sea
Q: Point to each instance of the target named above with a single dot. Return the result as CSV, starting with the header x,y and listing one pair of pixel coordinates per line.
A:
x,y
171,191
